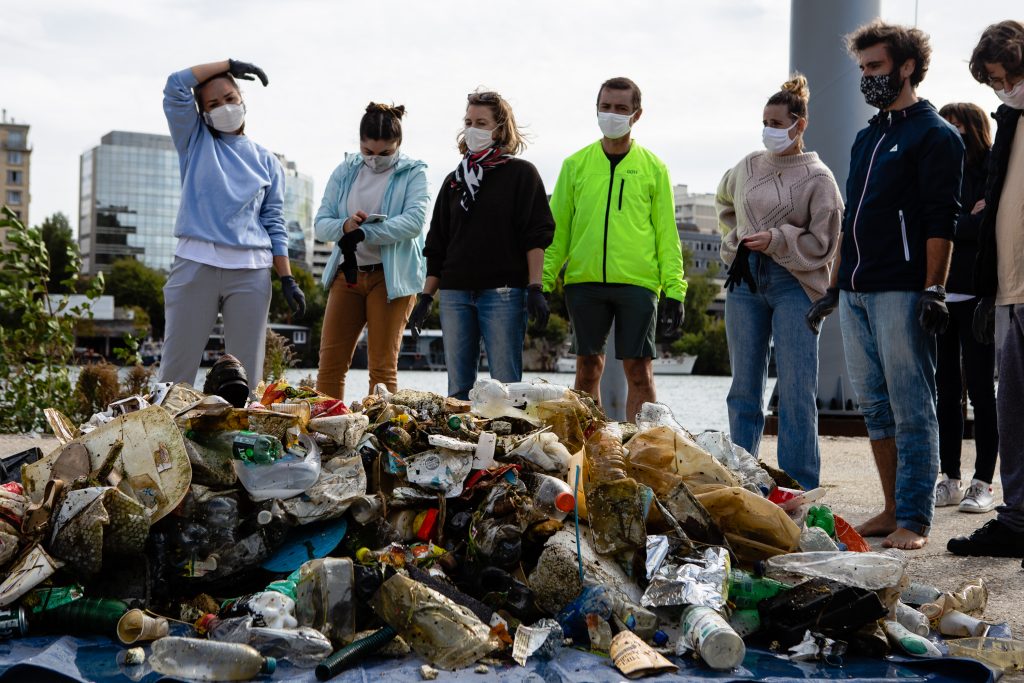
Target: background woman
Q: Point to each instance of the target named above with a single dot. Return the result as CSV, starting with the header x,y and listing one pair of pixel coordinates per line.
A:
x,y
780,212
485,248
376,266
230,224
958,342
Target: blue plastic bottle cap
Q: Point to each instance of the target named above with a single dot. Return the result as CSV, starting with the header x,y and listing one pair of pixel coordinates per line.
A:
x,y
269,665
660,638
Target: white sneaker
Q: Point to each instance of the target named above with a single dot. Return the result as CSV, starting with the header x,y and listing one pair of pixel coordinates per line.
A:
x,y
947,492
978,497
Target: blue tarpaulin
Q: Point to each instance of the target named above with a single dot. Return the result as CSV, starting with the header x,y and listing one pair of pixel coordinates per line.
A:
x,y
93,659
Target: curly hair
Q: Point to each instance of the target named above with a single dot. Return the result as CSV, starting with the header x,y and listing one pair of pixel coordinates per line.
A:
x,y
902,43
1003,44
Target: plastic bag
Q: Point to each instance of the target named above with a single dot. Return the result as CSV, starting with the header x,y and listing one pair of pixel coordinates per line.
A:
x,y
284,478
662,457
743,464
342,480
755,527
543,449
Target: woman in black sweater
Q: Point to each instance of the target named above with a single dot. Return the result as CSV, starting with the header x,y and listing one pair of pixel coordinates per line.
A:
x,y
485,248
958,341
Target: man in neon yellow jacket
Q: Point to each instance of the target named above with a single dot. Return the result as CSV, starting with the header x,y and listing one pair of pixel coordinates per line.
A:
x,y
615,235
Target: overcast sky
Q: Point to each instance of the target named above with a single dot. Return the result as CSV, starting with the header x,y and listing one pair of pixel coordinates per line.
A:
x,y
76,69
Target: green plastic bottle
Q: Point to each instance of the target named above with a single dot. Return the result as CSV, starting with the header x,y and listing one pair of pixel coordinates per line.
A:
x,y
821,516
747,590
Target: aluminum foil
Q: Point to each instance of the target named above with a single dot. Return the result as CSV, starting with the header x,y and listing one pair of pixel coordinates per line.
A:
x,y
692,583
657,551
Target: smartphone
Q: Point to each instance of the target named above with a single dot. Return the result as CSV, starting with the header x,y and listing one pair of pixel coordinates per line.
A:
x,y
375,218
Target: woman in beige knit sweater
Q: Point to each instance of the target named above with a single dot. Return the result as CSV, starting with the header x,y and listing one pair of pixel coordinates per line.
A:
x,y
780,211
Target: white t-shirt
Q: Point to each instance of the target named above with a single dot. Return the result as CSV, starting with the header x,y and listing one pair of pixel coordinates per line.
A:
x,y
221,256
366,194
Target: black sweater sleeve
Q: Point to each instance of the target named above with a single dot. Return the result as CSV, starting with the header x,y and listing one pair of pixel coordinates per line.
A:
x,y
538,223
436,245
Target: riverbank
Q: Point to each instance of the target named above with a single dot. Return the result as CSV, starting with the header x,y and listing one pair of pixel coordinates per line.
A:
x,y
848,472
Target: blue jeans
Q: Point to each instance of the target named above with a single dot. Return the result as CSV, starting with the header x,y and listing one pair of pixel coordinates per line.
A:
x,y
499,316
891,361
752,320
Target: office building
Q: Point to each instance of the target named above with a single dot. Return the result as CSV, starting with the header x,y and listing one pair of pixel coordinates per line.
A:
x,y
14,166
696,210
129,190
128,199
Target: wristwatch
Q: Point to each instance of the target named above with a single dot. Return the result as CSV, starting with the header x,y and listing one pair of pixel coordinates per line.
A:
x,y
937,289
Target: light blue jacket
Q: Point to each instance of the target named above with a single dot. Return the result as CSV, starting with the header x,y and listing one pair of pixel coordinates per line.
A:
x,y
232,190
400,236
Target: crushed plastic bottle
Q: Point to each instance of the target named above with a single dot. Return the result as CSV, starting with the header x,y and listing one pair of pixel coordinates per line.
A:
x,y
1002,653
910,619
552,498
207,660
816,539
821,516
606,455
303,646
241,444
324,597
747,591
871,571
739,461
287,476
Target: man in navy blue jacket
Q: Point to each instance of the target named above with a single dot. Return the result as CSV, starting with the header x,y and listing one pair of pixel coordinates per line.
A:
x,y
902,201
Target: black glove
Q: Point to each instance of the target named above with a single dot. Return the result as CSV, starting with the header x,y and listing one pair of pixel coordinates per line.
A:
x,y
670,319
537,306
420,312
821,308
739,271
293,295
932,312
349,240
984,324
245,71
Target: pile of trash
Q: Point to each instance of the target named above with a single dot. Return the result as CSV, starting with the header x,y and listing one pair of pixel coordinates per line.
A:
x,y
231,534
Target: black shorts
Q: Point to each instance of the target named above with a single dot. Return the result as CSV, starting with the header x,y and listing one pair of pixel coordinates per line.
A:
x,y
593,306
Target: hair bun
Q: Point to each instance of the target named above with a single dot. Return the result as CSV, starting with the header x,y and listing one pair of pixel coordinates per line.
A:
x,y
379,107
797,85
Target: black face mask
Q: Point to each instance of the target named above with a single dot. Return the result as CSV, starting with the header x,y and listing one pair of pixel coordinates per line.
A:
x,y
882,90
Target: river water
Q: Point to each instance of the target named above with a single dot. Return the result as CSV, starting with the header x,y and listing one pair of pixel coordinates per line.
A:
x,y
698,401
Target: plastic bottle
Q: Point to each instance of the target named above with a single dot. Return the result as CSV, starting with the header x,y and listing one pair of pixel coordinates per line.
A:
x,y
871,571
745,466
526,394
242,445
747,591
552,497
85,616
911,643
821,517
1001,653
606,455
414,525
920,594
208,660
286,477
910,619
324,597
816,539
303,647
707,633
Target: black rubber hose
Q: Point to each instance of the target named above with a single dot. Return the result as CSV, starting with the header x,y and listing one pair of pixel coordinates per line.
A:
x,y
353,652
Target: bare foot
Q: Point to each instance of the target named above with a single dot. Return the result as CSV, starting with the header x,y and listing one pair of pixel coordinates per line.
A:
x,y
905,540
882,524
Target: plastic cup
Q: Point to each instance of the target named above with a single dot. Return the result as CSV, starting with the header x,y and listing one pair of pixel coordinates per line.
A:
x,y
136,626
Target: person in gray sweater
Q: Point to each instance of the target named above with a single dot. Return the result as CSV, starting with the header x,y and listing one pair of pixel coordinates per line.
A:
x,y
779,211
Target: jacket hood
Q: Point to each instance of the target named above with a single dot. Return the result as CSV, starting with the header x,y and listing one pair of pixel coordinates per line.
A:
x,y
404,162
1006,113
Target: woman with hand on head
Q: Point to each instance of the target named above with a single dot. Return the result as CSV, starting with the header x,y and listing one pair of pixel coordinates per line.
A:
x,y
485,248
374,208
780,212
230,225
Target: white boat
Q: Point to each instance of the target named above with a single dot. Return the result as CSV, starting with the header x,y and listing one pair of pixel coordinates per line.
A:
x,y
681,365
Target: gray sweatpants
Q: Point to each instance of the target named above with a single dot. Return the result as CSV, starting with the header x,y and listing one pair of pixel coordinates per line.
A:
x,y
193,295
1011,429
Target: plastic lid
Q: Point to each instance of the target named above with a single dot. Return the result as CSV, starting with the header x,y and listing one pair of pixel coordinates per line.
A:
x,y
264,517
203,623
565,502
269,665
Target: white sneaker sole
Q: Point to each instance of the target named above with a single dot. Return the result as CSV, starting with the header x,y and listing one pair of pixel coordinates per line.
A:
x,y
977,509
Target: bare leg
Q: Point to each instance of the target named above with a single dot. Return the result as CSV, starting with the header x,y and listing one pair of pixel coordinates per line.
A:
x,y
883,523
588,375
640,378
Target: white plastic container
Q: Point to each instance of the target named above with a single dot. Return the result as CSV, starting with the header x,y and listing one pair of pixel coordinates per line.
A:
x,y
911,619
324,600
707,633
284,478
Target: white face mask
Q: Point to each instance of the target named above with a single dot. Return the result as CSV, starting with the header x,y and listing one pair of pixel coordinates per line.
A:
x,y
226,118
378,163
1013,97
478,139
614,126
777,140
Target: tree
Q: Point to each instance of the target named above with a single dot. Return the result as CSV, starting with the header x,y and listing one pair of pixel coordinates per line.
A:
x,y
61,248
316,306
133,283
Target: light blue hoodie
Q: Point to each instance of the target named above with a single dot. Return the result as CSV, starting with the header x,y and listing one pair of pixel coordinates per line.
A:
x,y
400,236
232,190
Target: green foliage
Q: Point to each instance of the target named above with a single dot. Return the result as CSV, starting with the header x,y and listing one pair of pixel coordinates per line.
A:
x,y
278,358
133,283
61,247
37,334
701,291
129,353
710,347
316,306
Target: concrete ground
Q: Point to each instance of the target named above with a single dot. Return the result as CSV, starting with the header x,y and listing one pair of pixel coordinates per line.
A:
x,y
849,474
